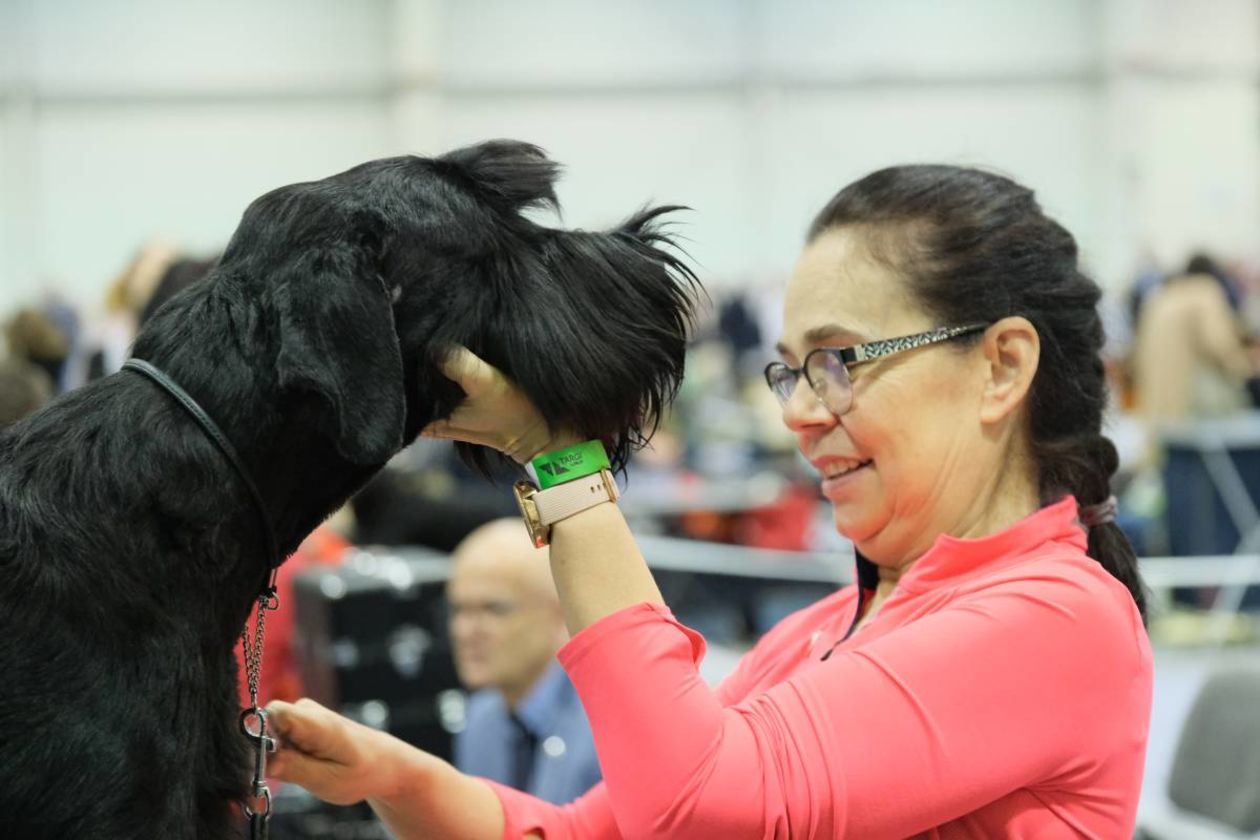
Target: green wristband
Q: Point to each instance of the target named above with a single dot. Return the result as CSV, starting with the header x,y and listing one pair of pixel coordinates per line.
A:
x,y
571,463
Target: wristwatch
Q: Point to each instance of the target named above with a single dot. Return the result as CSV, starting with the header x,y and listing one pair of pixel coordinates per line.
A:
x,y
543,508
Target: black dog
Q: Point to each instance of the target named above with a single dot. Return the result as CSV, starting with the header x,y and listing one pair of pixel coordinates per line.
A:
x,y
130,550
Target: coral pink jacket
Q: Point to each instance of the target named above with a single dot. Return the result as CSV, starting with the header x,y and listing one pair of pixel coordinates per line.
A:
x,y
1003,690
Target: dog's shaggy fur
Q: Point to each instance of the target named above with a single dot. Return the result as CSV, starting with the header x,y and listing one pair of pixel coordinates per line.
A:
x,y
129,550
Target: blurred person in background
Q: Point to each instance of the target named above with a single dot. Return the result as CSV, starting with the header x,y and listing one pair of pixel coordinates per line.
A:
x,y
24,388
107,338
36,339
1192,365
156,272
1190,356
179,275
988,674
525,725
72,349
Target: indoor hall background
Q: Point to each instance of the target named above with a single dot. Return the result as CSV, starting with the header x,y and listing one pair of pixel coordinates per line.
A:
x,y
1137,122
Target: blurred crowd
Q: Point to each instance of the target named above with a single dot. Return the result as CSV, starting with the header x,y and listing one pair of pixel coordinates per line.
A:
x,y
52,346
1183,349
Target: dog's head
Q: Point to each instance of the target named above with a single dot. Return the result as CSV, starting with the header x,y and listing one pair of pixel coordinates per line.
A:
x,y
373,274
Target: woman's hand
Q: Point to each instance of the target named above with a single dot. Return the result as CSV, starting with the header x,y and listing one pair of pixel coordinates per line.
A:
x,y
416,795
336,759
495,412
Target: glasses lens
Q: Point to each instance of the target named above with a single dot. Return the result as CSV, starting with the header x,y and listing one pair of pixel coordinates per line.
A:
x,y
782,380
830,380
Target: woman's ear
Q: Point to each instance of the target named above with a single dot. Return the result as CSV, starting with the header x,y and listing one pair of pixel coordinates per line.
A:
x,y
1012,350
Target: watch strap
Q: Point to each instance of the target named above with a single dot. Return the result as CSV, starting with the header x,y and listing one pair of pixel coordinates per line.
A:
x,y
564,500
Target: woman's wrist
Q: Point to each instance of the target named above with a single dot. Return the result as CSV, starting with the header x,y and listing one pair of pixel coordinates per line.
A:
x,y
402,767
562,464
559,441
428,798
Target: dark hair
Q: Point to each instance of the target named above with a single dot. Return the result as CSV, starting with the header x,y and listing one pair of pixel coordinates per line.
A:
x,y
1200,264
977,248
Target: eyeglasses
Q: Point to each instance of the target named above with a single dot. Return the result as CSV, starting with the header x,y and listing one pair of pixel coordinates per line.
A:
x,y
827,368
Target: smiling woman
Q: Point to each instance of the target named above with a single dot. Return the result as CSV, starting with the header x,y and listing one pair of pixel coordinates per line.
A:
x,y
917,246
930,426
987,676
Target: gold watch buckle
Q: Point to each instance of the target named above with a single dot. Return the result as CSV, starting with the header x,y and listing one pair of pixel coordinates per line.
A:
x,y
539,533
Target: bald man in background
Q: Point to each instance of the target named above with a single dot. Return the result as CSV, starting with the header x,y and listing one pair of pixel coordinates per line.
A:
x,y
525,725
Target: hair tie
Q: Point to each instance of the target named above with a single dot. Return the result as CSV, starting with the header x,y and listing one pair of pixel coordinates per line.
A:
x,y
1102,513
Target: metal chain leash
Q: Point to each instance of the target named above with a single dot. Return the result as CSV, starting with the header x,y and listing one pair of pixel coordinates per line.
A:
x,y
267,601
257,735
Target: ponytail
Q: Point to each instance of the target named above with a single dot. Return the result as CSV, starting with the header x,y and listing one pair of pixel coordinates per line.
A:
x,y
1083,465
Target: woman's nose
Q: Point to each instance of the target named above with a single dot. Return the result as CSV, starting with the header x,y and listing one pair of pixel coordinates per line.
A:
x,y
804,410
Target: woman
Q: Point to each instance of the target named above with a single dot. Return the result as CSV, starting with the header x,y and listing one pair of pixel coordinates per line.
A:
x,y
988,676
1190,355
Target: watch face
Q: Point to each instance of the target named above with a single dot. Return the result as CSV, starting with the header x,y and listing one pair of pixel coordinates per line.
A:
x,y
539,533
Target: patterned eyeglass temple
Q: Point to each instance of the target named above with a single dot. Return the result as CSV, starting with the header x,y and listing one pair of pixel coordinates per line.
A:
x,y
888,346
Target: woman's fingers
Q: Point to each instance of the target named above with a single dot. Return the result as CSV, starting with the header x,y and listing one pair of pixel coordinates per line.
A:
x,y
439,429
306,726
495,412
318,751
313,774
491,405
467,370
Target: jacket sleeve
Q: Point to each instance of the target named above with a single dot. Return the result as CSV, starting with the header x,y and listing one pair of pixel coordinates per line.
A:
x,y
884,739
588,816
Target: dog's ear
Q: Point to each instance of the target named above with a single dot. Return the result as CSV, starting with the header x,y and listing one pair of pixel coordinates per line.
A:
x,y
509,173
338,344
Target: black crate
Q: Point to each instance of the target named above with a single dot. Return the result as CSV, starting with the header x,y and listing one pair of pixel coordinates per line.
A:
x,y
371,641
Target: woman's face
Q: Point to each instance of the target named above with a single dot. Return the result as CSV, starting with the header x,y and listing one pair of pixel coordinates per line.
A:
x,y
899,466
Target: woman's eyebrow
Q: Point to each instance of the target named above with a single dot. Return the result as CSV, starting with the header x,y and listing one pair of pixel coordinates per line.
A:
x,y
827,333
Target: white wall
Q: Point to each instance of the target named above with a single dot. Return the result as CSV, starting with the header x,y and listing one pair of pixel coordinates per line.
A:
x,y
1136,120
141,118
1184,136
754,113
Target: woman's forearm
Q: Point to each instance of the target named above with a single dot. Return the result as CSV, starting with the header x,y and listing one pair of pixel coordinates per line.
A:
x,y
597,566
598,570
433,800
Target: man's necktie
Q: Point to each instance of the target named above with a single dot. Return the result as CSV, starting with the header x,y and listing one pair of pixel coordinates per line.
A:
x,y
522,765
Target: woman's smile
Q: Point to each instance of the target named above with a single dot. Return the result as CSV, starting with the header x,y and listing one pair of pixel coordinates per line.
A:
x,y
839,473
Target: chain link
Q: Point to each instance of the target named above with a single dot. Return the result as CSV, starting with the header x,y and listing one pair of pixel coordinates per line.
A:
x,y
262,743
253,651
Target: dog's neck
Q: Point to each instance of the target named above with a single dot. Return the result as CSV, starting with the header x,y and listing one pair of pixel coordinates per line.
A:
x,y
300,476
